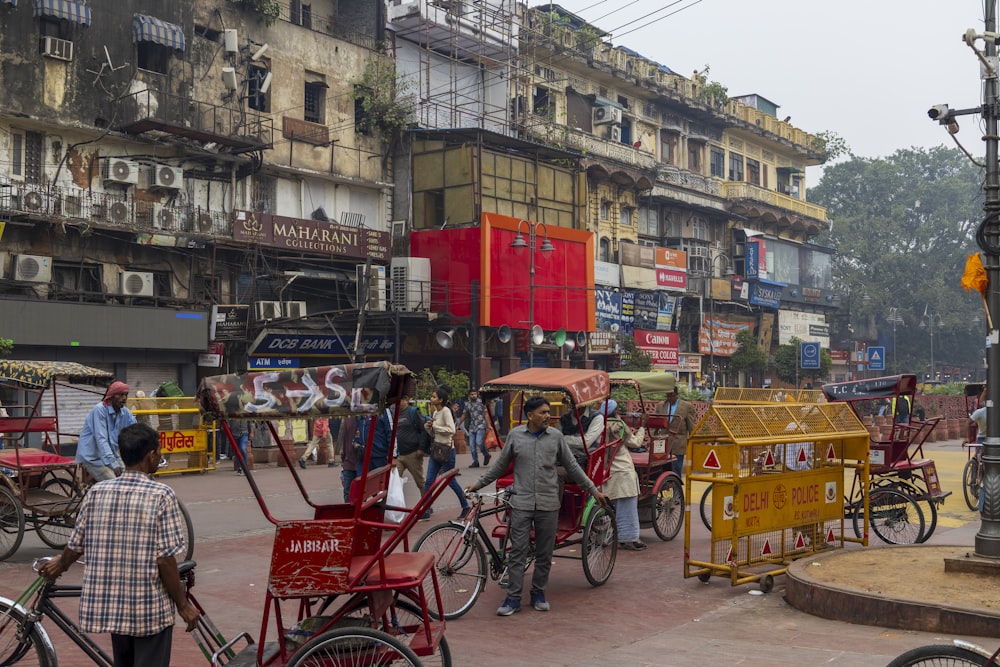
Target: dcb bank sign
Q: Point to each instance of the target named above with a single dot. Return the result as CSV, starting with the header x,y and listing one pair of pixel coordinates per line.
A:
x,y
316,345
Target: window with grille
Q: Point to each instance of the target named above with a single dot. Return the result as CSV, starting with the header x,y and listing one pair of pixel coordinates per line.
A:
x,y
26,156
256,99
605,250
315,98
264,193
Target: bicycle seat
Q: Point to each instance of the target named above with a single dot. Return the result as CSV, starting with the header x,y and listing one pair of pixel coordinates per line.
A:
x,y
185,566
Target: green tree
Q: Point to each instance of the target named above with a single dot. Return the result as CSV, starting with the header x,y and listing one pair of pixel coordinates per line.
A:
x,y
748,357
786,364
387,101
636,359
832,145
903,226
428,380
6,347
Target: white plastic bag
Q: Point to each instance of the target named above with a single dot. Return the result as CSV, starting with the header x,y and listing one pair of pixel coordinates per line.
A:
x,y
395,498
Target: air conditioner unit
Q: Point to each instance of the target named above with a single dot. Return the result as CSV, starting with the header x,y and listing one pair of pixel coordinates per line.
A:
x,y
295,309
606,114
120,213
136,283
116,170
34,200
267,310
169,218
615,133
53,47
33,268
410,284
162,177
202,222
376,288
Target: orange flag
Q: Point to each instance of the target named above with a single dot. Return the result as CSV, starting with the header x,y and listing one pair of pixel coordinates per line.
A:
x,y
975,277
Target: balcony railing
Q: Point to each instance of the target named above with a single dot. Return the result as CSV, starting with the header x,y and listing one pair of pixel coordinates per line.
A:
x,y
239,130
733,190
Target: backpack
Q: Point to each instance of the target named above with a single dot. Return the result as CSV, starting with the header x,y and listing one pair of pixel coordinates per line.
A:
x,y
424,439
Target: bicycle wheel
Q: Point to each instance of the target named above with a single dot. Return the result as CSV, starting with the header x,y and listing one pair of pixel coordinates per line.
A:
x,y
16,645
11,523
460,564
189,532
668,508
354,647
407,620
600,546
927,506
706,515
940,656
55,529
971,482
895,518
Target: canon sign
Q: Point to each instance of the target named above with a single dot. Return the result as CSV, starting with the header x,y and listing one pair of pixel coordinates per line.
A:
x,y
658,338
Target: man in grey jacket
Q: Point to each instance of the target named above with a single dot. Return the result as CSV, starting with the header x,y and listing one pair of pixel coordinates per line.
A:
x,y
535,450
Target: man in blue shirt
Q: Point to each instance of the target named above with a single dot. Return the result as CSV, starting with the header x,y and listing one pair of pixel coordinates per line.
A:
x,y
97,449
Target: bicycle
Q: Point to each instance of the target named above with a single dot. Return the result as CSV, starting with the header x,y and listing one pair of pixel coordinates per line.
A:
x,y
972,475
957,654
24,641
460,553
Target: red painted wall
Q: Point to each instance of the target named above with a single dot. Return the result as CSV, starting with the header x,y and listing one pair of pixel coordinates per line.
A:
x,y
564,278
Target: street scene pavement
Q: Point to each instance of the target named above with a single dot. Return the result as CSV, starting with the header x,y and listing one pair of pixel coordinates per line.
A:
x,y
646,614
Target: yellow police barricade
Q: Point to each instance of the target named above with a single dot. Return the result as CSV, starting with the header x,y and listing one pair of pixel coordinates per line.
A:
x,y
777,475
184,438
756,395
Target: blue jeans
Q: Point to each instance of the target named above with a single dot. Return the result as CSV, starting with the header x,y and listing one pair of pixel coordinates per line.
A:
x,y
678,466
346,477
477,441
434,469
242,441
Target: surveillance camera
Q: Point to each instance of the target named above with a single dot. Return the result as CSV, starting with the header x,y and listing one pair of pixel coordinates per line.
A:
x,y
259,53
939,112
265,85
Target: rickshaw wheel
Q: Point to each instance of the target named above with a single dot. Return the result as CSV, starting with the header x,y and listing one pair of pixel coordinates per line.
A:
x,y
896,518
706,516
766,583
356,647
600,546
971,482
405,621
11,523
668,508
55,530
460,563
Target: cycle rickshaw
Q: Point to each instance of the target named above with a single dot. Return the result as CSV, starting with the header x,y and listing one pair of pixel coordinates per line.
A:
x,y
40,488
661,491
972,475
907,481
343,588
586,532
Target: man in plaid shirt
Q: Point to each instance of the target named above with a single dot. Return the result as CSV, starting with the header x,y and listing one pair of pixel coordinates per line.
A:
x,y
130,529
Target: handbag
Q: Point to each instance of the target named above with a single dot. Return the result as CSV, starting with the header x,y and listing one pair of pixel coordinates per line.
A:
x,y
441,452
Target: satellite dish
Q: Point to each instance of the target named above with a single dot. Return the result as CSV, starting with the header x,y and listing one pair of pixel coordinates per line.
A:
x,y
581,338
504,334
537,335
445,339
569,345
559,337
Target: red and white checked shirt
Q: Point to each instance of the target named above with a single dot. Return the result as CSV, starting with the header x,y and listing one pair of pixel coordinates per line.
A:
x,y
124,525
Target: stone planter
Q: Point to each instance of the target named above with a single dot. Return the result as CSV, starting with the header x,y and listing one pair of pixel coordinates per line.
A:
x,y
461,446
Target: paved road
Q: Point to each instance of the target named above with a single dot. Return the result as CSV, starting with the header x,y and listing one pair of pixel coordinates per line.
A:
x,y
647,614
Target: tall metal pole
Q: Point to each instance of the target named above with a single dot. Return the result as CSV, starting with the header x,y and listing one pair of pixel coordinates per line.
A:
x,y
930,327
988,537
531,295
711,324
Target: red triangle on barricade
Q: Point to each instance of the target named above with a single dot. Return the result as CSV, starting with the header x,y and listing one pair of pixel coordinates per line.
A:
x,y
768,459
712,461
766,549
830,453
802,456
800,542
830,537
729,557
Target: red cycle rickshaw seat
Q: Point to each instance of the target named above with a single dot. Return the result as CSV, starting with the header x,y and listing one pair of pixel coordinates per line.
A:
x,y
402,568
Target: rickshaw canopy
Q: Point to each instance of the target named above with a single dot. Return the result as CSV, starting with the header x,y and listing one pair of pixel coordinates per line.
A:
x,y
873,388
583,386
41,374
648,382
303,393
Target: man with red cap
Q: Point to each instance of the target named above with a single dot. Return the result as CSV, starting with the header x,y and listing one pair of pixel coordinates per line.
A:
x,y
97,449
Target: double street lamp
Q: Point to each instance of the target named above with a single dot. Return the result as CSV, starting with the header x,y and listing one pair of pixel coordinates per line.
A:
x,y
727,272
531,244
928,321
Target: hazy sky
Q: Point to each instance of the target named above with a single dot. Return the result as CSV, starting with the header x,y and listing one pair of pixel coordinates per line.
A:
x,y
867,70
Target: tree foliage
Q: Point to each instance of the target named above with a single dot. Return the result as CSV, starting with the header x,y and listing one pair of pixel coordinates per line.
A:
x,y
748,357
428,380
903,226
786,364
637,359
386,100
6,347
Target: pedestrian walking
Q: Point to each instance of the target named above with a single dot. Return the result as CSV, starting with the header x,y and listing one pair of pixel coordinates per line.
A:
x,y
409,456
441,426
475,426
320,436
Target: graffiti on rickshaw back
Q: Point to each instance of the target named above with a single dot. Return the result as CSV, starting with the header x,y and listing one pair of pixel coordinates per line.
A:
x,y
313,546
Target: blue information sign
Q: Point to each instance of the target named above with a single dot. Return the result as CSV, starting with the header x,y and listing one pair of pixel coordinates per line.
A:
x,y
876,358
809,356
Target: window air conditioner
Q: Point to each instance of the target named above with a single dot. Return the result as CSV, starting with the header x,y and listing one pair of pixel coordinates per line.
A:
x,y
33,268
615,133
116,170
136,283
295,309
34,200
267,310
169,218
376,288
60,49
410,284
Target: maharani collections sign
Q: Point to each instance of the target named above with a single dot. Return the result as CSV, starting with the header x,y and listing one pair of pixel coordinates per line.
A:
x,y
316,236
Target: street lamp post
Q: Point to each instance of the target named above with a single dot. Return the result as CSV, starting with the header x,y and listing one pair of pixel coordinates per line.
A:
x,y
531,245
928,321
895,318
728,271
